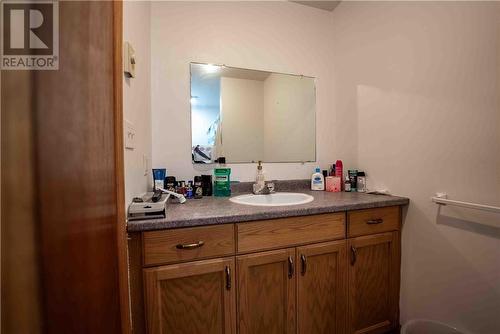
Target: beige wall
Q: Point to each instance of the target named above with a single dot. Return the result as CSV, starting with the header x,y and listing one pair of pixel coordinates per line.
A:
x,y
289,118
137,97
242,115
418,85
407,91
274,36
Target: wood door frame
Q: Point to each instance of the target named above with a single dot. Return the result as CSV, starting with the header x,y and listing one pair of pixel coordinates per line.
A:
x,y
121,226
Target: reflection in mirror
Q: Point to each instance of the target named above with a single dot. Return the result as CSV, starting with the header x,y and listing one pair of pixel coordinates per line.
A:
x,y
249,115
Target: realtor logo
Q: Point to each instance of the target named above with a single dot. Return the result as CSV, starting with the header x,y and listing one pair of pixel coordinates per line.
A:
x,y
30,35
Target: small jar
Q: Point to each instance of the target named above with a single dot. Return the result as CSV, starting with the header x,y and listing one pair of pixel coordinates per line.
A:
x,y
361,182
347,184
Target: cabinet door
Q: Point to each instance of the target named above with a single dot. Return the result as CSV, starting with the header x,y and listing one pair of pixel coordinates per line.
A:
x,y
322,288
266,292
193,297
374,283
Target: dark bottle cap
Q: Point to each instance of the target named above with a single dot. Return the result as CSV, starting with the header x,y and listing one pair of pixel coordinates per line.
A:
x,y
198,179
170,179
221,160
361,173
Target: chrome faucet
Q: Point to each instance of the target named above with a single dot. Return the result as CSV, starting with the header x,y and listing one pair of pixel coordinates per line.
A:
x,y
267,189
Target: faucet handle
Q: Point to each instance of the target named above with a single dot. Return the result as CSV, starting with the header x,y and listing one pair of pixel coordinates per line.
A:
x,y
270,187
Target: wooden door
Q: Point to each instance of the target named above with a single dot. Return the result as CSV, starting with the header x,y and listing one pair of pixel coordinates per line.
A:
x,y
322,288
374,283
266,292
191,298
64,232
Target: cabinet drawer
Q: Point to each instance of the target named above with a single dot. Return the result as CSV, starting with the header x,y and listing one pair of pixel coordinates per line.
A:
x,y
371,221
285,232
187,244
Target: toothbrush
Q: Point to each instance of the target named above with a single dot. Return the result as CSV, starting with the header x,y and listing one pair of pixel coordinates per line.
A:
x,y
180,197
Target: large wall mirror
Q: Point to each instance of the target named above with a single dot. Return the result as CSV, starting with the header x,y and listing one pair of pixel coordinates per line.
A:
x,y
248,115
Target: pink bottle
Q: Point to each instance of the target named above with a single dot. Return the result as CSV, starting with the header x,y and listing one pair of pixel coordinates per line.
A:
x,y
339,171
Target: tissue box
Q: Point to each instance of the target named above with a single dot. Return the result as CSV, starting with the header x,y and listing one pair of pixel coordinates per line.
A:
x,y
333,184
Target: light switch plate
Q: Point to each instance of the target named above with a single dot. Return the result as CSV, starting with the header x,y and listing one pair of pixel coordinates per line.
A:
x,y
129,60
129,134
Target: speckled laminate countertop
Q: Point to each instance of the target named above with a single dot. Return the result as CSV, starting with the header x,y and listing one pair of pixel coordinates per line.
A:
x,y
219,210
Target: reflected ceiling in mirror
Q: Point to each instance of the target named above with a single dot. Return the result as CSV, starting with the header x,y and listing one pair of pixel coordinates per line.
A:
x,y
249,115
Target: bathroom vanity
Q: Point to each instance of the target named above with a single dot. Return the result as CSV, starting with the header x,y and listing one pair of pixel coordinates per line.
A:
x,y
213,266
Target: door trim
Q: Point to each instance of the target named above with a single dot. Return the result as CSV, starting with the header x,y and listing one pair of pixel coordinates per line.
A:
x,y
121,226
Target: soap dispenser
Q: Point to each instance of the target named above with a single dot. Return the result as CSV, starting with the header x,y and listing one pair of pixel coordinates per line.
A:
x,y
260,179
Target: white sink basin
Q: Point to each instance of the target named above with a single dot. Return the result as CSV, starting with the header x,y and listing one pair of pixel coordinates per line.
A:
x,y
276,199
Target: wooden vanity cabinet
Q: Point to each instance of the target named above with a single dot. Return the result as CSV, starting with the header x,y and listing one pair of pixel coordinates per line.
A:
x,y
374,283
193,297
328,273
322,288
267,292
293,290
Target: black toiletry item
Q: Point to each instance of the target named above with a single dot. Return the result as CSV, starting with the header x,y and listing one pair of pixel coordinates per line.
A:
x,y
198,187
170,183
353,174
156,196
206,183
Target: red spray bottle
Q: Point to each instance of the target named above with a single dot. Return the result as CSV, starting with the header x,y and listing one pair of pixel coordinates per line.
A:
x,y
339,171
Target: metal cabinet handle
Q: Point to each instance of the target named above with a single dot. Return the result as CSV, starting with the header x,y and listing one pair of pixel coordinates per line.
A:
x,y
303,259
375,221
228,278
290,267
353,255
190,246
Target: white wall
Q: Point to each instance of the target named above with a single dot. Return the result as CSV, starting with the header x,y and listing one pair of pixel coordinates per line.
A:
x,y
418,84
137,97
275,36
289,118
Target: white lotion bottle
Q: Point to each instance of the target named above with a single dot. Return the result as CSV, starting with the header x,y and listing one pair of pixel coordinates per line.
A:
x,y
317,180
